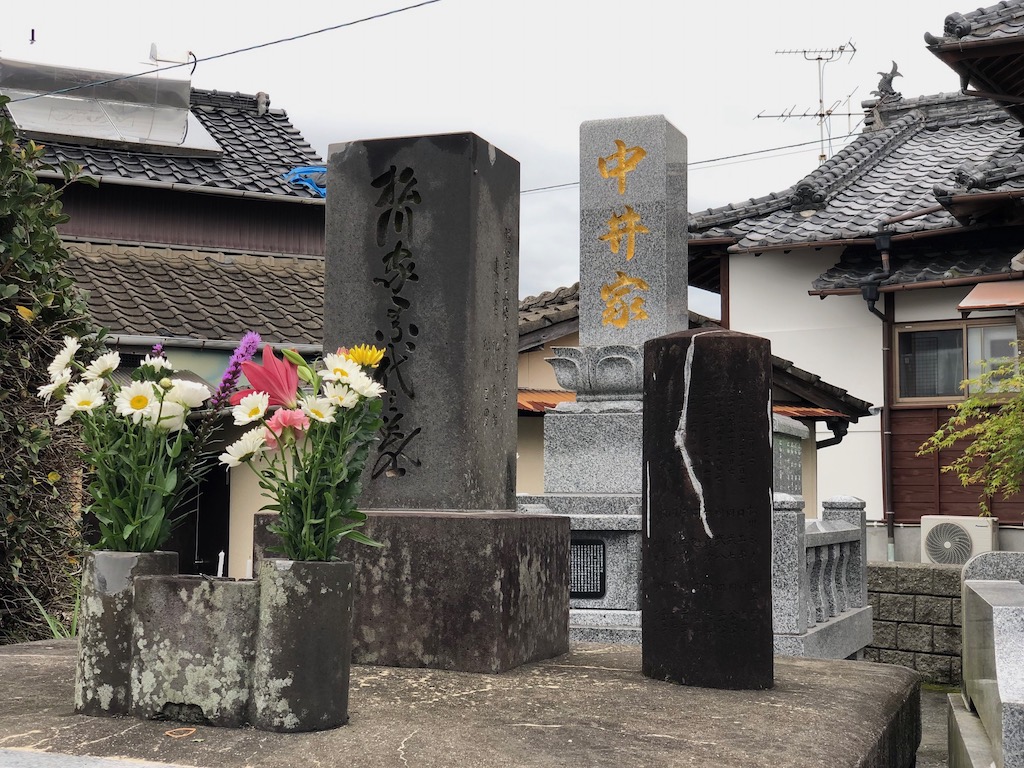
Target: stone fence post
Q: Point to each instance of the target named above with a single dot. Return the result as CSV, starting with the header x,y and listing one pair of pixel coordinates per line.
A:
x,y
850,509
790,586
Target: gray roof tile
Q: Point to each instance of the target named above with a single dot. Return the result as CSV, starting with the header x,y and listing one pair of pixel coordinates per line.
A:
x,y
257,150
927,263
914,150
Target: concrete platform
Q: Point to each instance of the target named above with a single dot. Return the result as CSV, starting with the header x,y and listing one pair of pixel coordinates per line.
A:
x,y
590,707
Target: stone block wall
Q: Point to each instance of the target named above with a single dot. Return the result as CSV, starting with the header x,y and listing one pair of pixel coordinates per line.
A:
x,y
916,618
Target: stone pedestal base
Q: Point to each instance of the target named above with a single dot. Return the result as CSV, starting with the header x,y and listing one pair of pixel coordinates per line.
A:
x,y
616,627
466,591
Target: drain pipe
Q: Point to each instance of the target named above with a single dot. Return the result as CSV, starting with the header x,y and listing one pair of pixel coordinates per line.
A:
x,y
870,293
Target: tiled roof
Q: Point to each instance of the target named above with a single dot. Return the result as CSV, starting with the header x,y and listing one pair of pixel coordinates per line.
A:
x,y
984,48
923,264
209,296
916,152
1004,19
257,150
549,308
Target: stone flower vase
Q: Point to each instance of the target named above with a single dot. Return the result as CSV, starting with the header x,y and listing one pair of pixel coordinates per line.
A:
x,y
102,673
303,645
194,646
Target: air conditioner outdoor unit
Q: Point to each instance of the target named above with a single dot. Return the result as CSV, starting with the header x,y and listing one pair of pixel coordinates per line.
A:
x,y
954,540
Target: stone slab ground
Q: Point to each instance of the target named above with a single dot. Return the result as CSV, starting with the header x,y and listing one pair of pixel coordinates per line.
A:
x,y
589,707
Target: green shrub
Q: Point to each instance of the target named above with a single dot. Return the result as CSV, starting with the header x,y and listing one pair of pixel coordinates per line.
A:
x,y
40,470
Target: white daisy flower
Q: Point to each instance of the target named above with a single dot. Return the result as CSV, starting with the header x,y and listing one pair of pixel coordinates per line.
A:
x,y
156,363
168,416
340,395
190,394
102,366
64,357
339,368
64,414
85,396
56,386
365,386
137,400
246,448
320,409
251,408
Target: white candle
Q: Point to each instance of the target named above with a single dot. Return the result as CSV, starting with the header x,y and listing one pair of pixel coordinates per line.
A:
x,y
248,568
220,564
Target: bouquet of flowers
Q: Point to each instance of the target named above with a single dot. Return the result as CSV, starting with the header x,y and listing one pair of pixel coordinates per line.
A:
x,y
142,457
308,448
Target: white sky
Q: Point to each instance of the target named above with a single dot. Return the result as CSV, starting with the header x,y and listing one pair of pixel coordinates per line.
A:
x,y
523,74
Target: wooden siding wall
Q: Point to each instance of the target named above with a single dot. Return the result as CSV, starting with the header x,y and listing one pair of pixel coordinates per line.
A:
x,y
193,220
919,487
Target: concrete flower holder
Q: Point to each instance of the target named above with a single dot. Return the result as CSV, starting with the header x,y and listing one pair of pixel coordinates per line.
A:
x,y
102,681
274,653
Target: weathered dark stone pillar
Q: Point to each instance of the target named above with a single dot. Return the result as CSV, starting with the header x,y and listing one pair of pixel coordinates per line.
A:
x,y
707,612
423,260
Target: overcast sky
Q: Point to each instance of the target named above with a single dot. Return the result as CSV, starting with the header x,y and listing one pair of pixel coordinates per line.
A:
x,y
523,74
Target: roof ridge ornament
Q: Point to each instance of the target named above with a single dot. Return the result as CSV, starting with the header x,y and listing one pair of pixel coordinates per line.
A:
x,y
885,87
808,195
957,26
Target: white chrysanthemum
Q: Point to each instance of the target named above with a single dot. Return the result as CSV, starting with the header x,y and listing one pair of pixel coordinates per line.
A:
x,y
320,409
171,416
363,385
102,366
136,400
56,386
339,368
251,408
156,363
340,395
246,448
190,394
64,357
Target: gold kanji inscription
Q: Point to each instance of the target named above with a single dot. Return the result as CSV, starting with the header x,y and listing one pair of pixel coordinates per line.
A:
x,y
620,309
620,162
626,226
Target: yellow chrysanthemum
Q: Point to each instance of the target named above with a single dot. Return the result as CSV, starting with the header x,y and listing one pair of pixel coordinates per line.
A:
x,y
366,355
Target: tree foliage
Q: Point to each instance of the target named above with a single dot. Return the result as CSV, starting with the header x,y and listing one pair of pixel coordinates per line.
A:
x,y
991,423
40,469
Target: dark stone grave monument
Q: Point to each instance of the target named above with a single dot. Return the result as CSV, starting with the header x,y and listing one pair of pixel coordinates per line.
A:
x,y
707,538
423,261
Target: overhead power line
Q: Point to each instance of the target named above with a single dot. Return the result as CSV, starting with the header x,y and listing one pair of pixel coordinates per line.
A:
x,y
248,48
552,187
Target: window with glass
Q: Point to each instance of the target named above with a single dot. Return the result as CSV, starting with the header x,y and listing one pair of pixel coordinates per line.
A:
x,y
934,360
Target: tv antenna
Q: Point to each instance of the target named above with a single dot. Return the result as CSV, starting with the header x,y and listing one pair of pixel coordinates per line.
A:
x,y
823,57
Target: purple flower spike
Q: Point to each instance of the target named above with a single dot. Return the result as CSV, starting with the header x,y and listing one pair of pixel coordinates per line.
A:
x,y
243,353
158,350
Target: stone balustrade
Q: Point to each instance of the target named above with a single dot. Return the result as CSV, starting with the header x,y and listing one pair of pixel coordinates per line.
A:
x,y
819,578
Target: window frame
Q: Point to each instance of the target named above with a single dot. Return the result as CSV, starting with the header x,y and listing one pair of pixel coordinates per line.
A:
x,y
940,325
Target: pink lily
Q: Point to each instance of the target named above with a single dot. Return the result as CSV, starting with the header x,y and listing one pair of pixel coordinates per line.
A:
x,y
278,378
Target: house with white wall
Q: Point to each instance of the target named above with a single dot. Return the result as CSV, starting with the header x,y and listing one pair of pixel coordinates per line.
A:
x,y
892,270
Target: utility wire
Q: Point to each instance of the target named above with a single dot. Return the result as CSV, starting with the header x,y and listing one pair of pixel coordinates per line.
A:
x,y
256,47
551,187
